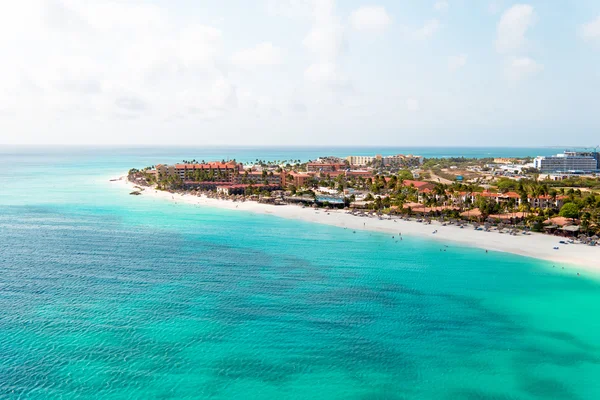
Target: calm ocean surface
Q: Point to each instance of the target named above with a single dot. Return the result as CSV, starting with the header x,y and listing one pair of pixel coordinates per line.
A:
x,y
106,295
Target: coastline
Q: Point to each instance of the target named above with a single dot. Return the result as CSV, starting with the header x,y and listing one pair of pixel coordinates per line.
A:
x,y
535,245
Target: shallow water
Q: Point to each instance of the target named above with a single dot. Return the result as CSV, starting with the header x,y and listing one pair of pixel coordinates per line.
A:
x,y
106,295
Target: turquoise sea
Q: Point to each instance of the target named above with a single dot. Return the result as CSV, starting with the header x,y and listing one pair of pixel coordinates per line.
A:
x,y
109,296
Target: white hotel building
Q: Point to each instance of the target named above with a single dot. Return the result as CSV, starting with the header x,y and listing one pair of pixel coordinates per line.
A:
x,y
569,161
386,160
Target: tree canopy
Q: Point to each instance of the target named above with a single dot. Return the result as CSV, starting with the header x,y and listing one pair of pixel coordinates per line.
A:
x,y
569,210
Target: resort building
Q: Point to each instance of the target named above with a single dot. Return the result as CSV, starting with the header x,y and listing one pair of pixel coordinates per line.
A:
x,y
294,178
222,171
359,173
325,167
544,201
504,160
269,178
419,185
204,185
569,161
547,201
361,160
398,159
401,159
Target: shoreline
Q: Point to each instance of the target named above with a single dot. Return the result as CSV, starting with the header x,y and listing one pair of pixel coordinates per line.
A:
x,y
534,245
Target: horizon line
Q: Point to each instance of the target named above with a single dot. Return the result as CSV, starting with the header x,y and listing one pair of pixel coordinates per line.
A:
x,y
292,146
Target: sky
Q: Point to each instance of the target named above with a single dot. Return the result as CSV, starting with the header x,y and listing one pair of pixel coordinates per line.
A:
x,y
300,72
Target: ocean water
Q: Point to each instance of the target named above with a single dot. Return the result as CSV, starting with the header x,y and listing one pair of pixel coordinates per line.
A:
x,y
106,295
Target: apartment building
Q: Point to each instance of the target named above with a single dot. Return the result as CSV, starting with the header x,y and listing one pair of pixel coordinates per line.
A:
x,y
271,178
325,167
569,161
223,171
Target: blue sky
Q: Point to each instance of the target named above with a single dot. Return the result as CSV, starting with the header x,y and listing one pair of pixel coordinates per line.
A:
x,y
305,72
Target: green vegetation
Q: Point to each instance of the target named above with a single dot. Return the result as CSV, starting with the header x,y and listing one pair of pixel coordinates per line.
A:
x,y
387,191
487,206
569,210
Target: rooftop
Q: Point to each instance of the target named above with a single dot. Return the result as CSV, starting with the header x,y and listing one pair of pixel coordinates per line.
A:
x,y
212,165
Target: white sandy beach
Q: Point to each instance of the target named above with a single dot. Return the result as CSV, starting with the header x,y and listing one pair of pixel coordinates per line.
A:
x,y
534,245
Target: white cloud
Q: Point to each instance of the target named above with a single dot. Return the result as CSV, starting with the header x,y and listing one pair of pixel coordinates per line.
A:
x,y
512,28
522,67
370,18
441,6
413,105
110,58
326,73
264,54
591,30
456,62
326,38
427,30
326,43
290,8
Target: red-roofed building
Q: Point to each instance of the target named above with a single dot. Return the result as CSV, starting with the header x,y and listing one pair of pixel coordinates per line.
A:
x,y
294,178
270,178
419,185
325,167
224,171
347,174
545,201
357,173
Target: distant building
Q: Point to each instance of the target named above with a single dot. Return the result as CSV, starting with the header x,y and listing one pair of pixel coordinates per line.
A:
x,y
569,161
270,178
504,160
295,178
224,171
325,167
401,159
362,160
419,185
545,201
398,159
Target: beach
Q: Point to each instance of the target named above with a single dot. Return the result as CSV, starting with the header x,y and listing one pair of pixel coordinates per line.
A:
x,y
533,245
114,295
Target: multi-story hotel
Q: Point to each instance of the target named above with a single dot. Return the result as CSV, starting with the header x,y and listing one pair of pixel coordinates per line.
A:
x,y
569,161
225,171
325,167
361,160
545,201
403,160
296,178
270,178
400,159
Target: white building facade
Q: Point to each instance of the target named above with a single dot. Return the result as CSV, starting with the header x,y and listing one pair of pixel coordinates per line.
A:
x,y
569,161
